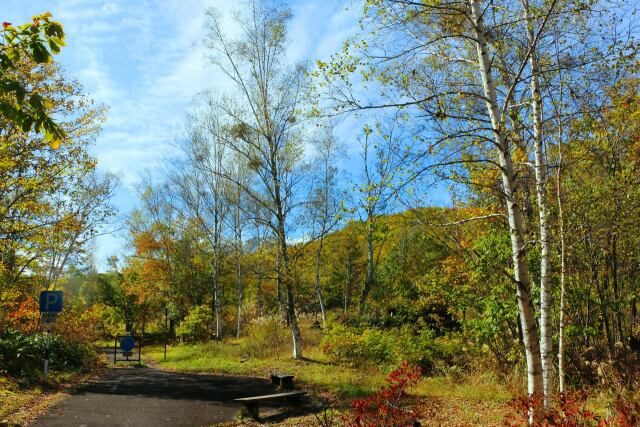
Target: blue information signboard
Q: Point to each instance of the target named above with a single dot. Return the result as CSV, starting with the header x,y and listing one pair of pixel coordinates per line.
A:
x,y
51,301
127,343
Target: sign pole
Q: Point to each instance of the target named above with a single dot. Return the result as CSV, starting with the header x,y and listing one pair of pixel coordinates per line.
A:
x,y
46,353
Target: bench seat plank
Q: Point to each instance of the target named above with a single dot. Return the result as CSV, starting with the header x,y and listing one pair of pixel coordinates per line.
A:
x,y
282,376
270,396
253,403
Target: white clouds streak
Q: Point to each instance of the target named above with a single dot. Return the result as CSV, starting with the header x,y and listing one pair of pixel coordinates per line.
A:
x,y
144,60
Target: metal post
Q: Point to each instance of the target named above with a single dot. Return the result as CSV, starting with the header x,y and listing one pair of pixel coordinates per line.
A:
x,y
115,349
46,354
139,350
166,331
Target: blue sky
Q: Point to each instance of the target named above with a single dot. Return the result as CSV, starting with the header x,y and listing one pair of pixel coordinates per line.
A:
x,y
142,58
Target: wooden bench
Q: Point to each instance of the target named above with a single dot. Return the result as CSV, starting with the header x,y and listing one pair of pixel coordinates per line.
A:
x,y
253,403
282,381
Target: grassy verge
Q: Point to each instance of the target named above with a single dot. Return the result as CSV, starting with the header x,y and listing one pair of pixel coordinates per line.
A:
x,y
20,404
474,400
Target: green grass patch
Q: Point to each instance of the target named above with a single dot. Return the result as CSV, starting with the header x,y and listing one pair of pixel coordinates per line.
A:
x,y
473,388
227,357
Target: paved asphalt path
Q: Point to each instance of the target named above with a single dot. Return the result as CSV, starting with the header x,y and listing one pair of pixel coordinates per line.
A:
x,y
152,397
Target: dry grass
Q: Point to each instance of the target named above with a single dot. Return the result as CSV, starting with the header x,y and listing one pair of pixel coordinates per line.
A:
x,y
20,406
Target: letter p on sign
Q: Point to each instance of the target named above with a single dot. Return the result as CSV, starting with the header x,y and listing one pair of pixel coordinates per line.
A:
x,y
51,301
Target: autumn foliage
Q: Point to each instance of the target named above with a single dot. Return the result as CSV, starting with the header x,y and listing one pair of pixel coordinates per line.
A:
x,y
570,410
391,405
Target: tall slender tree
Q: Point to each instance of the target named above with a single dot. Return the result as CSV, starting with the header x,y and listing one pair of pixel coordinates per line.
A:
x,y
325,204
264,127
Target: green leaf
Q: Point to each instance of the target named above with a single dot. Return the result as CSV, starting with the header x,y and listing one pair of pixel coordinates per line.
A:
x,y
54,47
57,40
12,86
40,53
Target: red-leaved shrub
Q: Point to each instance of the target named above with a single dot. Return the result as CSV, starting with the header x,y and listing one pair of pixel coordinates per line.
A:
x,y
390,406
569,410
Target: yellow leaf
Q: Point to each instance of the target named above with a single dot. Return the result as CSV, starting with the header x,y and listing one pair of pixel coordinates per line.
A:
x,y
55,143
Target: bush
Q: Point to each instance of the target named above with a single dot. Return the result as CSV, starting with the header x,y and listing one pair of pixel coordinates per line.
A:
x,y
197,325
266,337
570,410
71,354
390,406
22,354
418,345
342,344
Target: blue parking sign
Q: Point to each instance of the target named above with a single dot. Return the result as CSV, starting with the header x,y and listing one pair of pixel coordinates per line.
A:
x,y
51,301
127,344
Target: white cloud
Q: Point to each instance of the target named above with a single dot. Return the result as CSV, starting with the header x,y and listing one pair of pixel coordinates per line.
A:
x,y
144,60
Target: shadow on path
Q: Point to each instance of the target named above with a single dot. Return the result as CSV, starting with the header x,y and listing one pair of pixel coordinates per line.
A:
x,y
151,397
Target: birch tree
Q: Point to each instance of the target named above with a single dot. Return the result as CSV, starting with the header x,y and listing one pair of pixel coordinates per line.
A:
x,y
236,199
468,73
263,126
445,70
381,158
324,205
546,327
199,188
81,215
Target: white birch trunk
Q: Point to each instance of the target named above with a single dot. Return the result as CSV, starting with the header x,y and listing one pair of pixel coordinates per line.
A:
x,y
521,272
239,284
546,326
563,273
216,277
259,292
318,285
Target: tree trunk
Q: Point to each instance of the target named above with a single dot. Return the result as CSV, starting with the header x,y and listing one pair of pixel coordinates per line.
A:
x,y
368,281
291,312
347,285
521,271
217,306
281,304
546,325
240,292
563,274
239,284
616,290
634,314
284,257
259,293
318,287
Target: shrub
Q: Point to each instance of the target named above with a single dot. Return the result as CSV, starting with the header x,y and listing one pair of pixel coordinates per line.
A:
x,y
569,410
266,337
418,345
69,354
391,405
19,312
22,354
81,324
197,325
342,344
